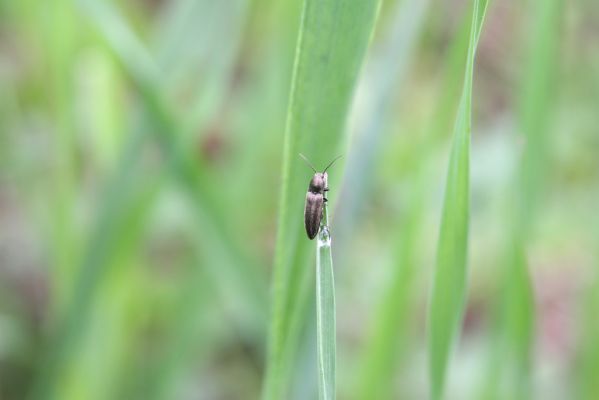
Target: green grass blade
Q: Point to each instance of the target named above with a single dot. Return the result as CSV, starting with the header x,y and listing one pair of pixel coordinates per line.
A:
x,y
185,45
325,315
388,336
536,100
587,368
384,76
511,357
385,336
57,31
185,166
332,42
104,241
449,280
388,339
103,244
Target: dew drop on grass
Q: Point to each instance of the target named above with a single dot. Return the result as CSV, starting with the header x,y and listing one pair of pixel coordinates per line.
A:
x,y
324,237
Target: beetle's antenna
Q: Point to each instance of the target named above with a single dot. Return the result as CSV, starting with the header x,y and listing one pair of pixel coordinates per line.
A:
x,y
332,162
308,162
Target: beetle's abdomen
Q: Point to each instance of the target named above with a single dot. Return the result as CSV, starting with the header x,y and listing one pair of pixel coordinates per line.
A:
x,y
313,213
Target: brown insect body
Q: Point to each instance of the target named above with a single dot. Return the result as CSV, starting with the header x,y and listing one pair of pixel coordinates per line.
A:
x,y
315,199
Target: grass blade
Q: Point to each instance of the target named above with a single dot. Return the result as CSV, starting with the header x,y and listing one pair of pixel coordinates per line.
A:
x,y
325,314
388,336
449,281
102,245
587,367
388,341
333,38
512,351
58,33
385,73
104,241
184,165
384,77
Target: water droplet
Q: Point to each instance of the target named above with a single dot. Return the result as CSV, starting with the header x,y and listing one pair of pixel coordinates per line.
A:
x,y
324,236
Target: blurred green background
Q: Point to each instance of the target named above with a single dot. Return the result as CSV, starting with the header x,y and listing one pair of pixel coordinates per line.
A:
x,y
140,171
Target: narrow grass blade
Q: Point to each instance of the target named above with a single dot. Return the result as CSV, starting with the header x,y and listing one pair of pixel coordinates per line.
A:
x,y
511,356
88,369
536,100
58,30
185,45
387,341
190,330
104,241
384,76
103,244
449,281
186,168
388,335
587,368
325,315
333,38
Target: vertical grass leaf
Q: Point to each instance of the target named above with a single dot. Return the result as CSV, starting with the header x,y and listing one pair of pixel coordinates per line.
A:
x,y
449,279
513,360
186,167
384,76
331,44
325,314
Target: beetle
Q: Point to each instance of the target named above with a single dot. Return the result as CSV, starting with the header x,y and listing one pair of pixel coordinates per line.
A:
x,y
315,199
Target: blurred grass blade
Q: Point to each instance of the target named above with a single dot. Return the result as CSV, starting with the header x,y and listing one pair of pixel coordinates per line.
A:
x,y
536,100
387,341
389,328
588,354
325,315
238,272
511,357
332,42
185,45
382,80
102,245
104,240
449,280
57,31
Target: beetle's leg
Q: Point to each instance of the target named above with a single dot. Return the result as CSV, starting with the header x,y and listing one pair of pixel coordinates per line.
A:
x,y
325,199
326,189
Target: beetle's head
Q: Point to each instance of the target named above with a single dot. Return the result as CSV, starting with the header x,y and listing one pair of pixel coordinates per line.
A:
x,y
318,182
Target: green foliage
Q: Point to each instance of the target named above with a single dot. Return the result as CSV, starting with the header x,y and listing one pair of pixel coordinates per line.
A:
x,y
151,197
331,45
326,332
449,290
513,348
387,335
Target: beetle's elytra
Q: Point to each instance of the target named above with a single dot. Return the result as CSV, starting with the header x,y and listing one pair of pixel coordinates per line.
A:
x,y
315,203
315,199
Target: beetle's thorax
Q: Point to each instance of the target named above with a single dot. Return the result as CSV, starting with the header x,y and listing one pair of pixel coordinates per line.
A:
x,y
318,183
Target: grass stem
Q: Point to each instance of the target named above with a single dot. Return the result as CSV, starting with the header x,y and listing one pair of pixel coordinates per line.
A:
x,y
325,313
